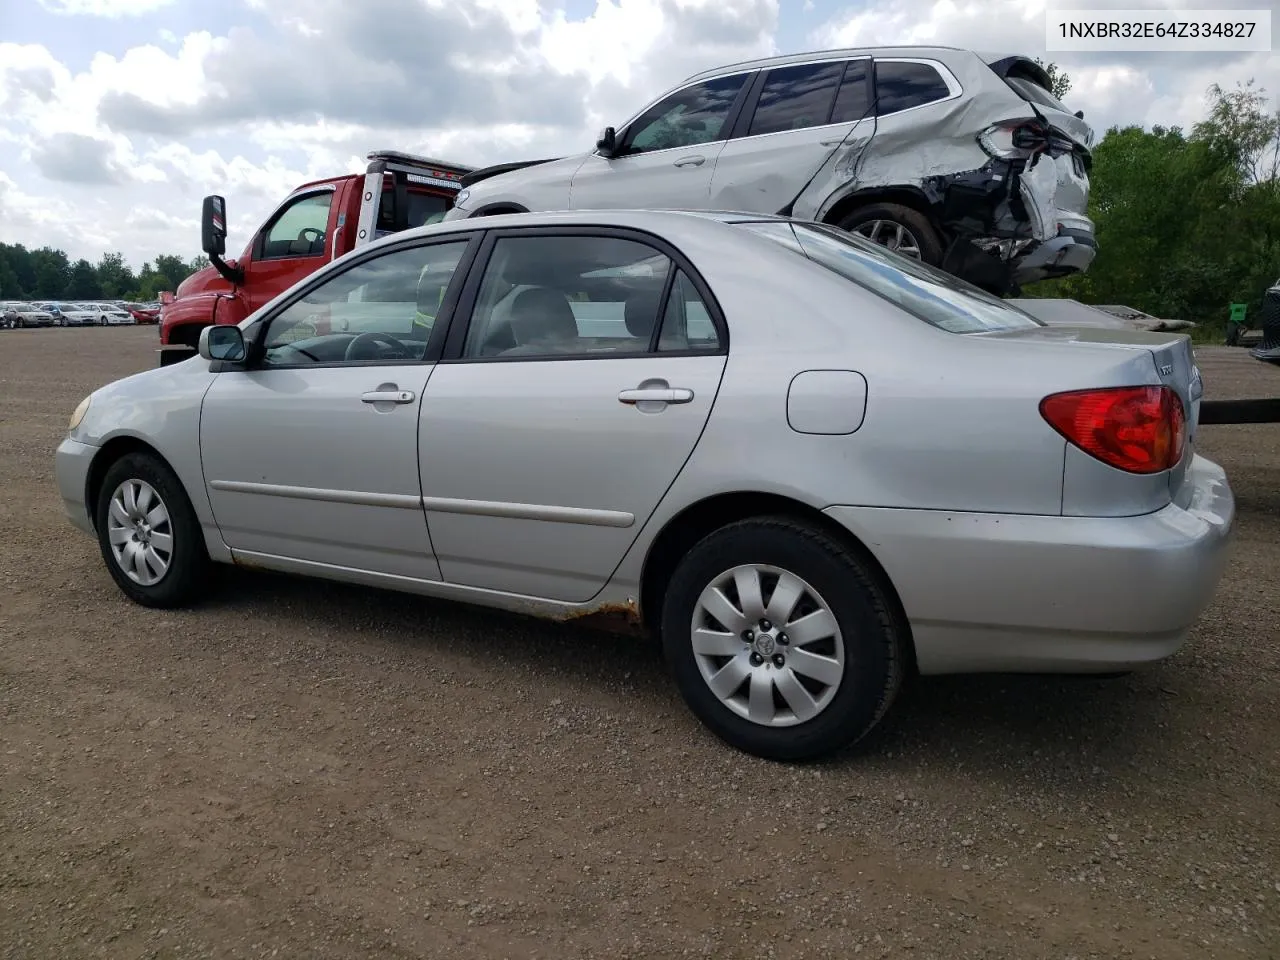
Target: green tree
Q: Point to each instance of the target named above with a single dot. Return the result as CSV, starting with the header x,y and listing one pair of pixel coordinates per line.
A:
x,y
115,276
52,270
173,269
1059,82
82,283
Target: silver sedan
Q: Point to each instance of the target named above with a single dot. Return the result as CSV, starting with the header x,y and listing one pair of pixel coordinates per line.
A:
x,y
809,465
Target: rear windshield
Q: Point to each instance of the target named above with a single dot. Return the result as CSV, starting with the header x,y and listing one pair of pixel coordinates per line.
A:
x,y
930,294
1030,90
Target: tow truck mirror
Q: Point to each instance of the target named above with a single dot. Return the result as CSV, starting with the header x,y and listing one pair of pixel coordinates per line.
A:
x,y
213,226
607,142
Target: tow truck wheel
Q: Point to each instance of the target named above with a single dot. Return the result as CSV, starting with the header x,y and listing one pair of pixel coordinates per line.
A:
x,y
900,228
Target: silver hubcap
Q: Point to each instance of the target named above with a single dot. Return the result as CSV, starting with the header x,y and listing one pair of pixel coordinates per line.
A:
x,y
893,235
140,533
767,645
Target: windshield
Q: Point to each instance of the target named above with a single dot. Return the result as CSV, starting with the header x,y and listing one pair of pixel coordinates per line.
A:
x,y
932,295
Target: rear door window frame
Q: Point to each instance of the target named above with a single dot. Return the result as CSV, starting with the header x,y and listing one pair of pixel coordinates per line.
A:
x,y
464,309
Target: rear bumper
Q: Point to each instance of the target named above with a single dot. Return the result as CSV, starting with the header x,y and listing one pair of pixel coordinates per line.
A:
x,y
1032,594
1072,251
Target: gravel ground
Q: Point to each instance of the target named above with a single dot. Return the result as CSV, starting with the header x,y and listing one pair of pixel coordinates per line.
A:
x,y
298,769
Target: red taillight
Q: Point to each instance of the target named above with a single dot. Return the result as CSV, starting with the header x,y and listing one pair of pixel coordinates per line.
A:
x,y
1137,429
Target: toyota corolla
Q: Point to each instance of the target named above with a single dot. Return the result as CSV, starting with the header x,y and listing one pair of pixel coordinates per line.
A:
x,y
809,465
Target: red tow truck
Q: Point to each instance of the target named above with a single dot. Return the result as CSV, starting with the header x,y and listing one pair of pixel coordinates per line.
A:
x,y
317,223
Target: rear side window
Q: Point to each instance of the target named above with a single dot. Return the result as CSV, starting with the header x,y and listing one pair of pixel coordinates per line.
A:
x,y
853,102
794,98
901,86
929,294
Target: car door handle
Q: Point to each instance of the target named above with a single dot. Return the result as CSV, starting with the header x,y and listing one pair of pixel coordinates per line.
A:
x,y
690,161
656,395
387,396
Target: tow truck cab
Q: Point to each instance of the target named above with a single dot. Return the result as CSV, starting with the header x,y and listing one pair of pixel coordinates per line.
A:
x,y
317,223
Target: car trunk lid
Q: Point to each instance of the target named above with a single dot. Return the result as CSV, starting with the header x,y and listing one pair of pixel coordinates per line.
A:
x,y
1172,358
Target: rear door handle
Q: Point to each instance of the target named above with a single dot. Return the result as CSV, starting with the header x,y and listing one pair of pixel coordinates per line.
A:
x,y
387,396
690,161
656,395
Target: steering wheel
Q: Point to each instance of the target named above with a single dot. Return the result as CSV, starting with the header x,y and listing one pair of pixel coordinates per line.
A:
x,y
302,234
376,336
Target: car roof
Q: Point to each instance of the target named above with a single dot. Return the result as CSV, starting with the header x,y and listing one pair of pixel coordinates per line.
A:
x,y
656,221
842,53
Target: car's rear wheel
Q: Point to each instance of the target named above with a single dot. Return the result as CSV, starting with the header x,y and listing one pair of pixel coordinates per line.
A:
x,y
898,227
781,639
149,534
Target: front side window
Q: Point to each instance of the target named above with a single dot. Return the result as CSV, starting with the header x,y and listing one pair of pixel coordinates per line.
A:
x,y
381,309
566,296
794,98
930,294
299,231
901,86
691,116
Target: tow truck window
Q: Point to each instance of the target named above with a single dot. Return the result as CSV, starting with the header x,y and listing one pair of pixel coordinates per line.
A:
x,y
299,230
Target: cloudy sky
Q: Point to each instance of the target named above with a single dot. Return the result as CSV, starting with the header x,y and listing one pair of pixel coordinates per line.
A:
x,y
117,116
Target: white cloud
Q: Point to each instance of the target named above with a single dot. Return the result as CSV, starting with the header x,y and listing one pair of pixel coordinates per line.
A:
x,y
105,8
251,99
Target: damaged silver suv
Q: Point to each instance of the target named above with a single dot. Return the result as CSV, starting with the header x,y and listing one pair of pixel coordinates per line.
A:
x,y
963,160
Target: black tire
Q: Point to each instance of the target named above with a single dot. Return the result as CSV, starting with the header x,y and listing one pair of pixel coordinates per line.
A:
x,y
186,578
874,643
926,234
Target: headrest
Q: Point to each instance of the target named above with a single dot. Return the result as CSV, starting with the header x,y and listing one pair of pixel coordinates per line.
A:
x,y
641,313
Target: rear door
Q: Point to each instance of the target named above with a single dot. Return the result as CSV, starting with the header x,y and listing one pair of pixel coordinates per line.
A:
x,y
799,119
566,407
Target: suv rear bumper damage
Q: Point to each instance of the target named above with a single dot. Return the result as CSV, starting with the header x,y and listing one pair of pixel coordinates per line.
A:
x,y
1008,203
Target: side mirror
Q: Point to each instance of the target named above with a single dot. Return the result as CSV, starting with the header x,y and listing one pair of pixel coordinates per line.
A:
x,y
224,342
1079,114
607,142
213,226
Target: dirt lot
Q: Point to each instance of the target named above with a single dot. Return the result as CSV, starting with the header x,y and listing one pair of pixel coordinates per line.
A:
x,y
302,770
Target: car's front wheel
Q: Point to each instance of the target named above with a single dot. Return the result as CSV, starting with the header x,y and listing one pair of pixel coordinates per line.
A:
x,y
900,228
781,639
149,534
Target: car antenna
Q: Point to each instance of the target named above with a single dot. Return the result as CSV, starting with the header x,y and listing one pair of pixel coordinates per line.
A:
x,y
875,102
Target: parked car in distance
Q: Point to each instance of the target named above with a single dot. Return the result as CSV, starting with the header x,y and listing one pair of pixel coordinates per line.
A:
x,y
109,315
71,314
805,462
144,312
956,158
15,314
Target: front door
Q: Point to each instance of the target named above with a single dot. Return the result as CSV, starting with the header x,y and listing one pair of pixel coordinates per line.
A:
x,y
291,245
665,158
311,453
551,432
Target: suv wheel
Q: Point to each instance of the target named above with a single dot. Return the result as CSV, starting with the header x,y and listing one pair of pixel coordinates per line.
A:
x,y
149,534
781,640
900,228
